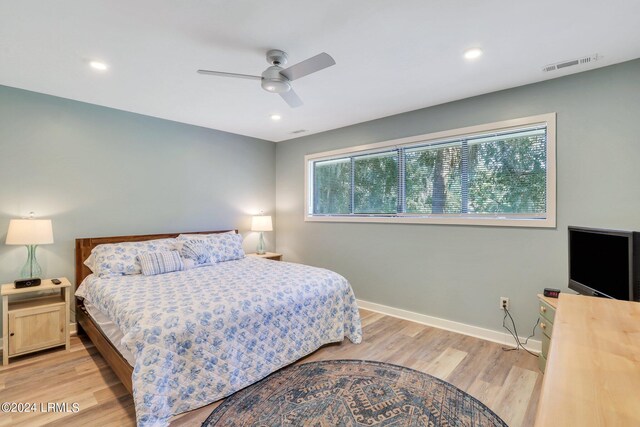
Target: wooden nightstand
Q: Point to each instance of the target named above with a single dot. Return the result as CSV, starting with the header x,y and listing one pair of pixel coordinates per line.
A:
x,y
35,324
269,255
547,313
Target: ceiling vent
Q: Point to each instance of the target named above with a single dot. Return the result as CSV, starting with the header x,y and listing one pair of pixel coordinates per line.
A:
x,y
565,64
299,131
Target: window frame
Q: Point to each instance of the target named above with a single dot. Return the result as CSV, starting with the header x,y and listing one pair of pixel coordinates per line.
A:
x,y
501,220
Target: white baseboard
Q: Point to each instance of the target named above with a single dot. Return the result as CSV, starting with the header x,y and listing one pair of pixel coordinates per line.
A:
x,y
449,325
436,322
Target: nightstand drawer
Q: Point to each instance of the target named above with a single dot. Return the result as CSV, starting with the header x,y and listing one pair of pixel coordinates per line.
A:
x,y
547,311
36,328
546,327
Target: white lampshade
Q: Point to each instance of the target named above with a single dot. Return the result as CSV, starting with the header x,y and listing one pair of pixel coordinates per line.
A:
x,y
30,232
261,223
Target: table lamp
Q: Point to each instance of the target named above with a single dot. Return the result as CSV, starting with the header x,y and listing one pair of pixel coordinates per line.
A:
x,y
31,233
261,223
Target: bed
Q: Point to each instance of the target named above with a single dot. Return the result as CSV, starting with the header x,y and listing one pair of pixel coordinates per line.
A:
x,y
199,335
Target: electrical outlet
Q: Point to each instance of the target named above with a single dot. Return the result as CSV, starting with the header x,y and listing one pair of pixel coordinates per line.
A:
x,y
504,303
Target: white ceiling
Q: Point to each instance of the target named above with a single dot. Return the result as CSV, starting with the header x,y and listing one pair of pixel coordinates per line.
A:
x,y
392,56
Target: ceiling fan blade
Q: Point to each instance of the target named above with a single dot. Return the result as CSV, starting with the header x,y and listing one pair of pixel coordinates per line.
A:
x,y
308,66
222,74
292,99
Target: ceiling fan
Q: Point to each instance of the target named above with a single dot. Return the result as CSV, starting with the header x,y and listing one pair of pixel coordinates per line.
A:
x,y
278,80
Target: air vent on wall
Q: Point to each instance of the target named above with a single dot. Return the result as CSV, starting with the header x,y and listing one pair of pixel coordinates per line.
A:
x,y
572,62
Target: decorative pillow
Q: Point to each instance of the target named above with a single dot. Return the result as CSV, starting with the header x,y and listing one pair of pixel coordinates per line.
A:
x,y
117,259
153,263
195,252
221,246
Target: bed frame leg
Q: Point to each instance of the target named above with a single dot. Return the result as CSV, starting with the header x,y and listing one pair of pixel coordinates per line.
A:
x,y
79,330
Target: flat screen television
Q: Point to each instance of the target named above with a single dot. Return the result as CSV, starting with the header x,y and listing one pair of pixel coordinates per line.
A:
x,y
604,263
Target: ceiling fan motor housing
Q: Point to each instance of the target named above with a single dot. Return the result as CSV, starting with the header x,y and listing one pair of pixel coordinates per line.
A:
x,y
273,81
277,57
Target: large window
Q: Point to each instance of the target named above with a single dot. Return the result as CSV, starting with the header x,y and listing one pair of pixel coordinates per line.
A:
x,y
495,174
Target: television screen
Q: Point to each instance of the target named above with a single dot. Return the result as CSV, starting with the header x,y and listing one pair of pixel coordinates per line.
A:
x,y
602,261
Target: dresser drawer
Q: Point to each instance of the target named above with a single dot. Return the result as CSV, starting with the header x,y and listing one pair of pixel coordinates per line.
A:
x,y
546,327
546,311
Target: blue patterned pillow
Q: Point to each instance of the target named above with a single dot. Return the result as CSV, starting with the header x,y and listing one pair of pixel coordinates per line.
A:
x,y
222,246
153,263
195,253
116,259
225,247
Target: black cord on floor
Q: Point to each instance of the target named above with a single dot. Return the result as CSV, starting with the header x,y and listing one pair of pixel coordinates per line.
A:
x,y
514,334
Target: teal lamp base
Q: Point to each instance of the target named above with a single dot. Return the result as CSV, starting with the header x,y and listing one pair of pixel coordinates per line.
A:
x,y
31,267
260,250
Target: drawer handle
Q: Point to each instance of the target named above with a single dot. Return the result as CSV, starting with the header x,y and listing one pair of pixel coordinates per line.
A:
x,y
543,309
543,325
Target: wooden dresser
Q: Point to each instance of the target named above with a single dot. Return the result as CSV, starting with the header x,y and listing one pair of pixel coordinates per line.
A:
x,y
592,375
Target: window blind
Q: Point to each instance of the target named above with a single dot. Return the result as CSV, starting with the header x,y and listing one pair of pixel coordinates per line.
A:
x,y
376,183
501,173
332,187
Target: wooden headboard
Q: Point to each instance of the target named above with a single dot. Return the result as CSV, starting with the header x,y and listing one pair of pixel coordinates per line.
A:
x,y
84,247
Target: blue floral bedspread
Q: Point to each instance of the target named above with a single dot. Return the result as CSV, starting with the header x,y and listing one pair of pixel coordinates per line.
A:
x,y
200,335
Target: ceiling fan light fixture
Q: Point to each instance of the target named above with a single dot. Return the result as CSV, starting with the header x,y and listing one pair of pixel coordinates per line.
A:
x,y
276,86
273,81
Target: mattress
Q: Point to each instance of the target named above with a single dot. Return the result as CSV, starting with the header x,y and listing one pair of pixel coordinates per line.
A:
x,y
110,330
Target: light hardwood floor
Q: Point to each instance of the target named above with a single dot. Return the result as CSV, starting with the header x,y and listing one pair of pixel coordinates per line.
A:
x,y
506,381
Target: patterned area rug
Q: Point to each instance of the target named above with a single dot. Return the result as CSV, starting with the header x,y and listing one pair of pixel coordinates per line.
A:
x,y
351,393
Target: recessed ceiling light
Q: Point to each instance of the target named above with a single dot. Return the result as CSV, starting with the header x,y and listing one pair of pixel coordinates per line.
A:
x,y
473,53
97,65
275,117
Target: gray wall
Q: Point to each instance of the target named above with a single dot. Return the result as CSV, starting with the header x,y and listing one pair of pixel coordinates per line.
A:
x,y
459,272
96,171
